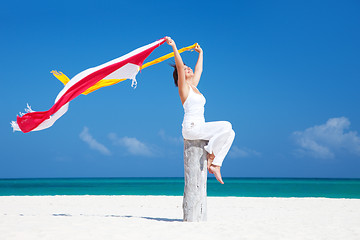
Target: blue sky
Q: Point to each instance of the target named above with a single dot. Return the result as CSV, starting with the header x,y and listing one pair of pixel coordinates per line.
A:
x,y
284,73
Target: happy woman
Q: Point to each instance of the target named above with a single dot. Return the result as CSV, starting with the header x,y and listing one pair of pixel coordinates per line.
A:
x,y
220,133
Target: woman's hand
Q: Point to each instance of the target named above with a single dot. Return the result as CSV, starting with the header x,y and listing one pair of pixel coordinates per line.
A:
x,y
170,41
198,48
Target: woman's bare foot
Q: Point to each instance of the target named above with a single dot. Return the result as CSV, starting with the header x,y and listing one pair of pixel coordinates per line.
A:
x,y
216,171
210,159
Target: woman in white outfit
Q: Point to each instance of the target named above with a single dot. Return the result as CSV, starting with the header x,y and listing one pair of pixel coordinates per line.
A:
x,y
220,134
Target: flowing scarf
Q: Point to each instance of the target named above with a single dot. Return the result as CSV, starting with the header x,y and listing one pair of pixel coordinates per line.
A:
x,y
107,74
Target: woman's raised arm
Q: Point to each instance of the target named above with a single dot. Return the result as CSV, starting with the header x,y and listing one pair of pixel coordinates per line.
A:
x,y
179,63
199,66
182,85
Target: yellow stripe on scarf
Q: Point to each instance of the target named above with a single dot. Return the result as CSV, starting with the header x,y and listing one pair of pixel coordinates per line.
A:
x,y
108,82
167,56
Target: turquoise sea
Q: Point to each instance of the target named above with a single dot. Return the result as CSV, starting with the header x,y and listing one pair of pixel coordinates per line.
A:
x,y
239,187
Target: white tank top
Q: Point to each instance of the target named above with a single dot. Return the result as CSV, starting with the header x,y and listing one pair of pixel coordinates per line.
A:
x,y
194,107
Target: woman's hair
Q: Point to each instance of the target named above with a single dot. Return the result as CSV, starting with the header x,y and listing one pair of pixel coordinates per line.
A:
x,y
175,74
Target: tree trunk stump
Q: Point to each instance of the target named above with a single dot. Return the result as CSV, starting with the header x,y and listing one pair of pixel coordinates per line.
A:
x,y
195,166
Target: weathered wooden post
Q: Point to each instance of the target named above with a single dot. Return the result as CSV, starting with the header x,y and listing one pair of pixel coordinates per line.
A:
x,y
195,166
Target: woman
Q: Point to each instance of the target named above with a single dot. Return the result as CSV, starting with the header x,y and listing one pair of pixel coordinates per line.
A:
x,y
220,133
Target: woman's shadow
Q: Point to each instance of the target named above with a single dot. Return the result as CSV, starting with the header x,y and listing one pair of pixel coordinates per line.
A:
x,y
126,216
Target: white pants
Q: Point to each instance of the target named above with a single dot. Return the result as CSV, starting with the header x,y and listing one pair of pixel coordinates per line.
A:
x,y
220,135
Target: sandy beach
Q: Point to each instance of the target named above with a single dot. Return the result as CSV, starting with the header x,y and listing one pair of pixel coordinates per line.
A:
x,y
160,217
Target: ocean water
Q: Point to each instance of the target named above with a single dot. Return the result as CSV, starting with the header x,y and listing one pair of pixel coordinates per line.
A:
x,y
239,187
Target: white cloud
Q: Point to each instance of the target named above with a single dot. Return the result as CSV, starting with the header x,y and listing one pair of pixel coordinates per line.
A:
x,y
93,144
132,145
325,140
236,152
179,140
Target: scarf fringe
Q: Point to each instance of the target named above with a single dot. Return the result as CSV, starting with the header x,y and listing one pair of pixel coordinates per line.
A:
x,y
133,83
15,126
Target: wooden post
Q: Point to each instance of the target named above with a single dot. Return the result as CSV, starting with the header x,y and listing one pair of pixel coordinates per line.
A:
x,y
195,166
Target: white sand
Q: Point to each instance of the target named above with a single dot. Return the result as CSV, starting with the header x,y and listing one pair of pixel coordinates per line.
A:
x,y
160,217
